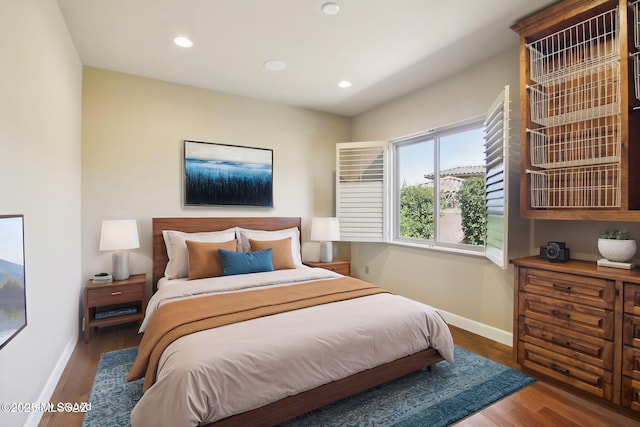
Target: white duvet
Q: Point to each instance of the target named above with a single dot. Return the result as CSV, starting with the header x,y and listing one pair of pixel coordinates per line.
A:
x,y
209,375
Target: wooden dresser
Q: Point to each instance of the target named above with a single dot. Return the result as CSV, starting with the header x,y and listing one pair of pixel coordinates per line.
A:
x,y
579,324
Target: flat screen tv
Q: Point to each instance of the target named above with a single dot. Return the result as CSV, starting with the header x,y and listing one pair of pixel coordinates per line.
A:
x,y
13,303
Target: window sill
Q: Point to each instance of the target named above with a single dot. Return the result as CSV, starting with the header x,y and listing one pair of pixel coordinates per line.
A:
x,y
477,253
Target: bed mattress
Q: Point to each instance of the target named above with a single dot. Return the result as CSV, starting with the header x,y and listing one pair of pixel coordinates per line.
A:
x,y
210,375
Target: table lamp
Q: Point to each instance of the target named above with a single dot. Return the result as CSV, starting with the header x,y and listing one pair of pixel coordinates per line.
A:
x,y
118,235
325,230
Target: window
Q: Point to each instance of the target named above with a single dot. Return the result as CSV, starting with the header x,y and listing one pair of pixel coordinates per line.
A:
x,y
439,190
446,188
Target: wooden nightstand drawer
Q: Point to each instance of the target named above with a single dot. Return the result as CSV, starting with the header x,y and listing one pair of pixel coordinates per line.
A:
x,y
340,267
113,294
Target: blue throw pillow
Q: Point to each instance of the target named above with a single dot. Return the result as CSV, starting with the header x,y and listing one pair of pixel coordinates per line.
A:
x,y
245,262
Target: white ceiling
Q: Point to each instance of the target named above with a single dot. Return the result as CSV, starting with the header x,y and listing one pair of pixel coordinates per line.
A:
x,y
387,48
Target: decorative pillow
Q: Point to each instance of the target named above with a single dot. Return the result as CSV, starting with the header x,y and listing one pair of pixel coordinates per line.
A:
x,y
204,258
244,234
178,265
245,262
281,255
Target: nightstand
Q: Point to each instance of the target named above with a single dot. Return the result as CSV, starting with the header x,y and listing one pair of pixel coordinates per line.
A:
x,y
339,266
120,301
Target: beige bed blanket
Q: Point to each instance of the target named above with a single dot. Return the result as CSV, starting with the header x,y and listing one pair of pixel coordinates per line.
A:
x,y
215,373
172,321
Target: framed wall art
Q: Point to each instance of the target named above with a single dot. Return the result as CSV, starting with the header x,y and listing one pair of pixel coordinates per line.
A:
x,y
13,303
220,174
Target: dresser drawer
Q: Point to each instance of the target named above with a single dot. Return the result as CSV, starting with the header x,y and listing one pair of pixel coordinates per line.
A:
x,y
631,362
631,393
594,321
586,377
631,331
570,287
113,294
582,347
632,299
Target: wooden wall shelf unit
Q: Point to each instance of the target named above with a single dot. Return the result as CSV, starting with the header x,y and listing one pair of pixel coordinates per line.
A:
x,y
579,324
580,137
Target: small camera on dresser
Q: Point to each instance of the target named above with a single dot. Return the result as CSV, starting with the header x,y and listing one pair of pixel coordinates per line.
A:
x,y
555,252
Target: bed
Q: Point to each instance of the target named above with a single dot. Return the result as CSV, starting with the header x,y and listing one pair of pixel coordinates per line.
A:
x,y
271,368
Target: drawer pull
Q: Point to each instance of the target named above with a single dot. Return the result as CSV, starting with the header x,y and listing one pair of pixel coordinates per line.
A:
x,y
116,293
562,288
564,343
559,369
557,313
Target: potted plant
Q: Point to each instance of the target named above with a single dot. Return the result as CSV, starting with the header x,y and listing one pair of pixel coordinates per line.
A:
x,y
616,245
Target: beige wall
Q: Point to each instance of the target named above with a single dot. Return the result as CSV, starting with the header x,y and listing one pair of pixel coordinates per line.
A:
x,y
132,133
40,175
476,293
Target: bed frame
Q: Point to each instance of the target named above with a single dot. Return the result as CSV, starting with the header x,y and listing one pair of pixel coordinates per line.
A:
x,y
290,407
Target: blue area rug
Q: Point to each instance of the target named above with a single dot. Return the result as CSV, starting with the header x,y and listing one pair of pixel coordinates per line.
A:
x,y
419,399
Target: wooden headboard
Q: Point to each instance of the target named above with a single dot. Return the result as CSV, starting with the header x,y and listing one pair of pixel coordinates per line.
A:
x,y
194,225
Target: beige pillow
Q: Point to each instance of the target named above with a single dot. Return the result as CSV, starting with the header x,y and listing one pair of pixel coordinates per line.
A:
x,y
178,265
244,234
204,258
281,251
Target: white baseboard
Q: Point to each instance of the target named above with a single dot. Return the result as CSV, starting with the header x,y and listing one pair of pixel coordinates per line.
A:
x,y
47,391
495,334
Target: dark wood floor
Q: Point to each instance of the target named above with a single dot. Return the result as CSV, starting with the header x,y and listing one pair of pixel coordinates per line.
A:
x,y
539,404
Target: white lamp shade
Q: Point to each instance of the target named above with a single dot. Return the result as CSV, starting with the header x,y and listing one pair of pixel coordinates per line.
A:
x,y
325,229
119,235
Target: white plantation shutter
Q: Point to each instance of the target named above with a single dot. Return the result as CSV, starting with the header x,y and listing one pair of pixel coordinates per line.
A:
x,y
496,188
360,190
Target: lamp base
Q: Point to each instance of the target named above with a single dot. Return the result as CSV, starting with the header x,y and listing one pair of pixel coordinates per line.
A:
x,y
326,251
120,264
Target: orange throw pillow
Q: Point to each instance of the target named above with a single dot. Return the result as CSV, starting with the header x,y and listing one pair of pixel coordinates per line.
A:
x,y
204,259
281,251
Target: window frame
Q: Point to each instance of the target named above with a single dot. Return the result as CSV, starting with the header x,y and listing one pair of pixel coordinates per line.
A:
x,y
434,134
357,212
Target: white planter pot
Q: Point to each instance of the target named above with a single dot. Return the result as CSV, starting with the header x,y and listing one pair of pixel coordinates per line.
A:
x,y
617,250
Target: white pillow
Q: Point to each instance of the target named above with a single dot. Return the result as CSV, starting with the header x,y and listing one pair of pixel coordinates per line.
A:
x,y
178,265
244,234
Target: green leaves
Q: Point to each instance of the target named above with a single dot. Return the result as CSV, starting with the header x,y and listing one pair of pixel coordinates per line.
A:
x,y
616,234
416,212
473,209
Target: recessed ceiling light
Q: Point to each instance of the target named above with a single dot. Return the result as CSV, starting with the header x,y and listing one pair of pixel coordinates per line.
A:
x,y
330,8
344,84
183,41
275,65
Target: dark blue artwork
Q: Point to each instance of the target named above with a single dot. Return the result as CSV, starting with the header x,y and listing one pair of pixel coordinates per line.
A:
x,y
217,174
